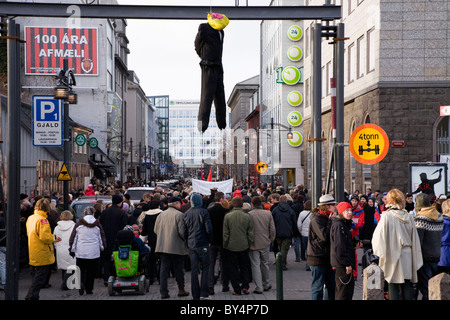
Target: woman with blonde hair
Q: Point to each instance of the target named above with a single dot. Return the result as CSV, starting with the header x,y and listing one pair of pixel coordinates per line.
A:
x,y
40,247
396,242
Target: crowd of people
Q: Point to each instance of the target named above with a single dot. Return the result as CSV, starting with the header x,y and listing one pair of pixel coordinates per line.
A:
x,y
230,237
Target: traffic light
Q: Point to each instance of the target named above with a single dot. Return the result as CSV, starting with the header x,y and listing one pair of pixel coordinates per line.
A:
x,y
329,31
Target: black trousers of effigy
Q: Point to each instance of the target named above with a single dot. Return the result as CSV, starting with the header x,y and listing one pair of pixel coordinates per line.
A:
x,y
212,90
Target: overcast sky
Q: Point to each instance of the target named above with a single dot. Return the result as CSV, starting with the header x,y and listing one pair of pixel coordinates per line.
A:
x,y
163,55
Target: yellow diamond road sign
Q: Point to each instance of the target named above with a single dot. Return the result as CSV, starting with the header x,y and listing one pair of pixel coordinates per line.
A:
x,y
369,144
64,174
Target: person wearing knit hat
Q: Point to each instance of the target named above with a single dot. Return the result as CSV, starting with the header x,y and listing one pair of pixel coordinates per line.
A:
x,y
343,206
429,224
422,201
117,199
342,251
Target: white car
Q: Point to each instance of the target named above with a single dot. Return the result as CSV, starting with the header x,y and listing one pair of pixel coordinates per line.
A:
x,y
136,193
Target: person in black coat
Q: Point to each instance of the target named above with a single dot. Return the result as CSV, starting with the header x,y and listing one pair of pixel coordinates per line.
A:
x,y
298,207
217,213
133,218
209,47
342,251
112,219
151,211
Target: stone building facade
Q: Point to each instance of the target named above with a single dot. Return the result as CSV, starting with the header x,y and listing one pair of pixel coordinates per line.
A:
x,y
396,62
409,114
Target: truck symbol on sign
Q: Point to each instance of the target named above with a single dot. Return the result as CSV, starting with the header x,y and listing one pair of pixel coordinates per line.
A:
x,y
361,150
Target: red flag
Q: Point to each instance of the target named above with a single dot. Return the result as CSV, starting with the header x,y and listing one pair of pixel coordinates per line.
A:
x,y
209,175
201,171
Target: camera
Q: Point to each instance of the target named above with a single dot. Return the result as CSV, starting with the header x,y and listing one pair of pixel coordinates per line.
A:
x,y
365,243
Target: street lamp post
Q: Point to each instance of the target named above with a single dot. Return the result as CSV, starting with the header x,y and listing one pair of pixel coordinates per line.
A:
x,y
131,159
63,91
119,152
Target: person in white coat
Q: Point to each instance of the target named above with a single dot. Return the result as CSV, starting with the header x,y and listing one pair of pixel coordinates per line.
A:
x,y
86,243
396,242
63,230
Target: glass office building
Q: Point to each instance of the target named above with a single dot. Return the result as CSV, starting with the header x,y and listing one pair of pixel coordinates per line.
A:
x,y
161,103
187,146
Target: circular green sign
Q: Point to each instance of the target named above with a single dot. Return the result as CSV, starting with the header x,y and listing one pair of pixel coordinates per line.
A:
x,y
295,53
93,143
294,33
295,98
296,140
295,118
80,140
291,75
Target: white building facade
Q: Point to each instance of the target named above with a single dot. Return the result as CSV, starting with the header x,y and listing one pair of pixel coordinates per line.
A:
x,y
282,91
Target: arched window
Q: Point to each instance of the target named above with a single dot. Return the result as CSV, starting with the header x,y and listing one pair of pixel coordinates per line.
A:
x,y
443,138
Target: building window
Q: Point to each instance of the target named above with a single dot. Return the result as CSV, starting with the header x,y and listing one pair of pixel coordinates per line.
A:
x,y
360,57
307,43
307,93
329,75
324,82
351,6
371,50
443,138
350,63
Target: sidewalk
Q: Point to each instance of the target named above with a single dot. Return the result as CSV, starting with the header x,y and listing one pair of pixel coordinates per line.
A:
x,y
296,286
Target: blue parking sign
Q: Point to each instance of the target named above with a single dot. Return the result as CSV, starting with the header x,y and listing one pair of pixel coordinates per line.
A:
x,y
47,122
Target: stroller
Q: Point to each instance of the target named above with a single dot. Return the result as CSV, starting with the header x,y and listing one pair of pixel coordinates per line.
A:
x,y
129,265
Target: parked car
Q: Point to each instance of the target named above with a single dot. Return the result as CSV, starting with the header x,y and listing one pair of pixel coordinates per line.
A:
x,y
136,193
87,201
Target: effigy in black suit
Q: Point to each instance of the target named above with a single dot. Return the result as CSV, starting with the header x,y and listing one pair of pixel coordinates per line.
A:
x,y
209,47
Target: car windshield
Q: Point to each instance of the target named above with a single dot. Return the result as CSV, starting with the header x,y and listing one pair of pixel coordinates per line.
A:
x,y
79,208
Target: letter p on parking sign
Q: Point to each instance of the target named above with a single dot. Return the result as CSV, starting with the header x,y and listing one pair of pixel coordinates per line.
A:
x,y
47,122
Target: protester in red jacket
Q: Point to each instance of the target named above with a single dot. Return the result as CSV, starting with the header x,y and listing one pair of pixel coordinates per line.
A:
x,y
89,191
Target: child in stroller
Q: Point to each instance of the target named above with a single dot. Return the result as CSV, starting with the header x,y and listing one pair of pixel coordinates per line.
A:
x,y
130,259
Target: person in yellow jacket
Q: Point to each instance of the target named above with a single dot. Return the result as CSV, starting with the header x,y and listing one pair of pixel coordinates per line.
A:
x,y
40,247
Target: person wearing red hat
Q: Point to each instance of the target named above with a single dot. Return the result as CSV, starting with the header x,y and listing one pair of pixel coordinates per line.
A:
x,y
342,251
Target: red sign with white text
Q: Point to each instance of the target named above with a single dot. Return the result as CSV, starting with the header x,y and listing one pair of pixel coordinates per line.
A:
x,y
445,111
46,49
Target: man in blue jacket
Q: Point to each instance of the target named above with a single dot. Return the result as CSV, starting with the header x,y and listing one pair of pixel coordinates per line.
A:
x,y
198,235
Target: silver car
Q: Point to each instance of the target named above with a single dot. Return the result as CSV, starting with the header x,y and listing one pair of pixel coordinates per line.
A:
x,y
81,203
